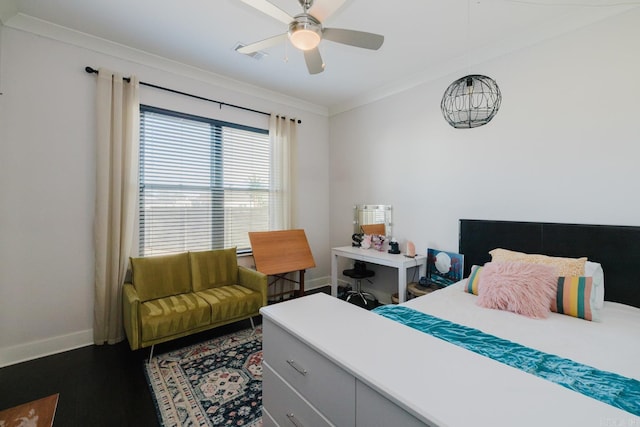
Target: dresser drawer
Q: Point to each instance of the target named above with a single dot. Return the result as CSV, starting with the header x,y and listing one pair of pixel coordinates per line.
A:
x,y
327,387
267,419
284,406
375,410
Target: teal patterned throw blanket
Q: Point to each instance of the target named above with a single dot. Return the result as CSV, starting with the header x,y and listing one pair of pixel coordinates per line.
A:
x,y
608,387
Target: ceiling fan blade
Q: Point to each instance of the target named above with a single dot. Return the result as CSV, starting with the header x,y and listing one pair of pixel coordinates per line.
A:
x,y
353,38
314,61
270,9
263,44
322,9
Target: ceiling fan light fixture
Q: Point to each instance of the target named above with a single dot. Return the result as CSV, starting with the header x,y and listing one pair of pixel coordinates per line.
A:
x,y
305,32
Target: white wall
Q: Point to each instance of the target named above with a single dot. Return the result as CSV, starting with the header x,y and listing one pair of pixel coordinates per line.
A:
x,y
564,146
47,177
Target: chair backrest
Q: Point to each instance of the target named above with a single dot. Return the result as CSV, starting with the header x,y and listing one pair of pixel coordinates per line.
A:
x,y
360,266
214,268
359,271
161,276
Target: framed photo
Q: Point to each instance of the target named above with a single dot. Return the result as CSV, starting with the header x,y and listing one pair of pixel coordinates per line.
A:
x,y
444,268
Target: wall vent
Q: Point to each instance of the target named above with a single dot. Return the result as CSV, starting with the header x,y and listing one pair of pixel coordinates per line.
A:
x,y
255,55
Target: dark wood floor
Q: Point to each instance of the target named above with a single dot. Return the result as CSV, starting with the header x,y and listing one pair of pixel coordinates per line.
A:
x,y
98,385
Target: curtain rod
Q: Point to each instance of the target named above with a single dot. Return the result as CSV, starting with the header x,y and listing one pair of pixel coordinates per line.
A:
x,y
91,70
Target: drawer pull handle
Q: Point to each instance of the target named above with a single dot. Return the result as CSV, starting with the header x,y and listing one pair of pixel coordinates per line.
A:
x,y
294,420
295,366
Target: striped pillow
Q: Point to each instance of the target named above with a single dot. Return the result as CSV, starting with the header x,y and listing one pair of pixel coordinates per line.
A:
x,y
574,297
472,282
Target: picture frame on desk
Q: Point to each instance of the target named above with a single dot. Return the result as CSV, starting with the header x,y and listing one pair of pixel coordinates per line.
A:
x,y
444,268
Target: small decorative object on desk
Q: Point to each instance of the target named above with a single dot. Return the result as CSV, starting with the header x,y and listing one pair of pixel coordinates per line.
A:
x,y
377,241
444,268
357,240
411,249
394,248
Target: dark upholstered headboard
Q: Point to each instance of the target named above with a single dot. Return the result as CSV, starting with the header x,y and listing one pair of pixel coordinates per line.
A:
x,y
617,248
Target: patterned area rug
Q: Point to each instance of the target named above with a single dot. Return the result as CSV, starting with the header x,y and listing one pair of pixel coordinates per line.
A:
x,y
215,383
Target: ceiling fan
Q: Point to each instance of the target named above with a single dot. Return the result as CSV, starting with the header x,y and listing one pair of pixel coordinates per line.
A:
x,y
306,31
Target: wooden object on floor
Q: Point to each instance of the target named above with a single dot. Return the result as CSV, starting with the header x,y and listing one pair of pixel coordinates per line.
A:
x,y
279,252
37,413
416,290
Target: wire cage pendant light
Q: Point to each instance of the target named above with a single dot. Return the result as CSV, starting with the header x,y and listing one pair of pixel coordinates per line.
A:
x,y
471,101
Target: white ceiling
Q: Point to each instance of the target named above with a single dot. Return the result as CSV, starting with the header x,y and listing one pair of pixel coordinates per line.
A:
x,y
424,39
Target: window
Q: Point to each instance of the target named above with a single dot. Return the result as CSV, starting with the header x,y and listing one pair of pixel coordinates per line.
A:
x,y
203,183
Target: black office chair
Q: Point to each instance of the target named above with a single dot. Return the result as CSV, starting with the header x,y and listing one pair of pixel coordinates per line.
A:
x,y
359,272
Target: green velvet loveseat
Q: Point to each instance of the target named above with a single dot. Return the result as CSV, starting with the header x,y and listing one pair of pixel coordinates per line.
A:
x,y
172,296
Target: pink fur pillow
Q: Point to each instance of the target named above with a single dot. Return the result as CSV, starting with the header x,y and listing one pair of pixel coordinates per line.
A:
x,y
522,288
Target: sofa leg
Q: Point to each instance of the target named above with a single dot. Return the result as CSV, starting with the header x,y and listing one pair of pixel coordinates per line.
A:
x,y
151,352
253,327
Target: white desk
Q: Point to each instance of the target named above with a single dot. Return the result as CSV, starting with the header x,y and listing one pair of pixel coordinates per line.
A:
x,y
399,261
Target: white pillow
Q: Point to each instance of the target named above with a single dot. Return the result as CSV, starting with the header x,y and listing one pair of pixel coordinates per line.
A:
x,y
594,269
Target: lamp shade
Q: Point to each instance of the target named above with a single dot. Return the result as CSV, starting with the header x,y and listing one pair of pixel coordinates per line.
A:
x,y
305,32
471,101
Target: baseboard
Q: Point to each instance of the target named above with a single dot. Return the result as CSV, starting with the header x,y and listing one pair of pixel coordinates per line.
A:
x,y
320,282
324,281
46,347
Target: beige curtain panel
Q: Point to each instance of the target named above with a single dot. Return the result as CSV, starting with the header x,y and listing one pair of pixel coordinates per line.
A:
x,y
117,150
284,139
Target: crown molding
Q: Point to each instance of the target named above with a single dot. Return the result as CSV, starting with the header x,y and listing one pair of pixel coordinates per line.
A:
x,y
557,27
561,25
66,35
8,9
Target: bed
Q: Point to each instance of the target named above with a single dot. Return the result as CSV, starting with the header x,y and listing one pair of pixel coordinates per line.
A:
x,y
610,344
617,248
441,383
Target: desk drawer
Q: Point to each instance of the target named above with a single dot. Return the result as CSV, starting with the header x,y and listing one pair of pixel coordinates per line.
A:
x,y
286,407
326,386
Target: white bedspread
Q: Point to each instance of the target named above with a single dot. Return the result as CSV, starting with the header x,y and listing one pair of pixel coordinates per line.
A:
x,y
613,344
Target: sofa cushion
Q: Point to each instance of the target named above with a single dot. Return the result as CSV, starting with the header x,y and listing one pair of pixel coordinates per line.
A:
x,y
173,315
214,268
161,276
229,302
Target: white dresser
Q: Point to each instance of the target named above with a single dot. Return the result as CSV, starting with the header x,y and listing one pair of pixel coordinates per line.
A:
x,y
324,367
328,362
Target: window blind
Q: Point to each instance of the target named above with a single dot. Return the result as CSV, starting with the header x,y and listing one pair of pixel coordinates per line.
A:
x,y
204,184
